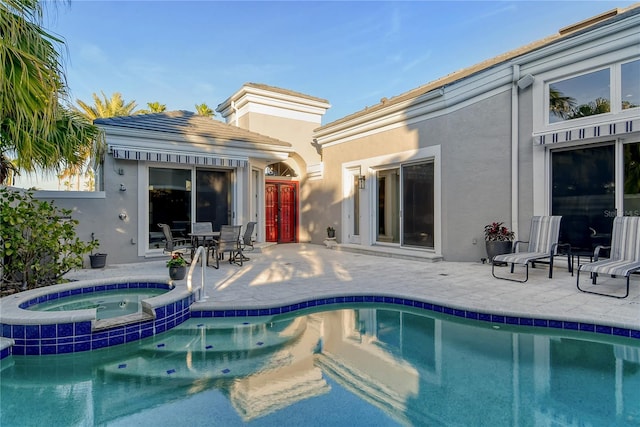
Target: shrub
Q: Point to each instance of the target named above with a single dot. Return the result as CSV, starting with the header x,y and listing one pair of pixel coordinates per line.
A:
x,y
38,242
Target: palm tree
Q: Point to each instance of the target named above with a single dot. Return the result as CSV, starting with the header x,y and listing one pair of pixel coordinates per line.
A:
x,y
599,106
102,108
154,107
204,110
106,107
560,105
34,128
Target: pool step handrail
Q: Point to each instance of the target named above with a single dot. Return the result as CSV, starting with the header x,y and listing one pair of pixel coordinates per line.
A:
x,y
199,255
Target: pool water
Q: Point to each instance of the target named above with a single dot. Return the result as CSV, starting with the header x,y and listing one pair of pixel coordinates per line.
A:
x,y
108,304
362,366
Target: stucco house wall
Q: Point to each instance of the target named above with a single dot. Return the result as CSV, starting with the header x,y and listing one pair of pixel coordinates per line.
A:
x,y
475,148
292,117
99,212
487,123
297,132
485,128
476,173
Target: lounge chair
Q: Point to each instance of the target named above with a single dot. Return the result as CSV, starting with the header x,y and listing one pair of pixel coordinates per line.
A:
x,y
173,244
624,257
229,241
543,244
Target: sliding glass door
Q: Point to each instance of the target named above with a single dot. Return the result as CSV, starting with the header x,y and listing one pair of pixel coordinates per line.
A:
x,y
405,205
213,197
417,205
388,213
631,155
171,200
583,192
169,203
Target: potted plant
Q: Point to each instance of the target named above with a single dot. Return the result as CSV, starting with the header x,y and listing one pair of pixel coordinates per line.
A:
x,y
97,260
497,239
177,267
331,232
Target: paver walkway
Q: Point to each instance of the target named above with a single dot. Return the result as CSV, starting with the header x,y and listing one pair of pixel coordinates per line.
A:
x,y
291,273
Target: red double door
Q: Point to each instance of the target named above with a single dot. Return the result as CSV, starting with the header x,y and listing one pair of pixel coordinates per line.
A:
x,y
281,216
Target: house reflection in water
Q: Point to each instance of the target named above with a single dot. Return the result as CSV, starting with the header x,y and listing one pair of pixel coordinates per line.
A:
x,y
426,371
417,370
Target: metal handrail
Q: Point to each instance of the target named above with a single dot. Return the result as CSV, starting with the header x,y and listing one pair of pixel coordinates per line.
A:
x,y
200,254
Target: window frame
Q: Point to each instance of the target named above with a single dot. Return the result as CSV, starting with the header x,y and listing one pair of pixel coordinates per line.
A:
x,y
547,98
545,79
144,226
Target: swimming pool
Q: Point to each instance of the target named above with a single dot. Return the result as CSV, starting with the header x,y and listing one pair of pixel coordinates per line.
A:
x,y
369,364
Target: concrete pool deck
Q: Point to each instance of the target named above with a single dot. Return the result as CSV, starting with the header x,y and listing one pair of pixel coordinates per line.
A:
x,y
287,274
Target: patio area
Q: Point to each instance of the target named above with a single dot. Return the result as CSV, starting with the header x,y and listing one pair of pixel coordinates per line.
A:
x,y
291,273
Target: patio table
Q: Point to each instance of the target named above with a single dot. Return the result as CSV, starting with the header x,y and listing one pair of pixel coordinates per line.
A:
x,y
204,238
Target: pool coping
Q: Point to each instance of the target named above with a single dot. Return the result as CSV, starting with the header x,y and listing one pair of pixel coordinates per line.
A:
x,y
206,309
36,333
10,313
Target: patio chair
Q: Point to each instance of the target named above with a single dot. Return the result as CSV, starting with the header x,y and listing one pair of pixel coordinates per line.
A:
x,y
199,228
624,257
199,238
247,237
543,244
173,244
229,241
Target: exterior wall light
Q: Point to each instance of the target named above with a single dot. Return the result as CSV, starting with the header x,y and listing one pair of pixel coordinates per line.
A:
x,y
362,182
525,82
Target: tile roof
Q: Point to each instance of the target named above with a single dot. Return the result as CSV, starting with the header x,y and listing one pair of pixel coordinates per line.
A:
x,y
284,91
564,33
188,123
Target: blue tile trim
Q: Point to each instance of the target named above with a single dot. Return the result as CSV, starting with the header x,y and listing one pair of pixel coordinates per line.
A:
x,y
90,289
468,314
5,352
71,337
77,337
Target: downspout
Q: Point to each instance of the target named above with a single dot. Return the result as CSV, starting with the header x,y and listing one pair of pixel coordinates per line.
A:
x,y
514,151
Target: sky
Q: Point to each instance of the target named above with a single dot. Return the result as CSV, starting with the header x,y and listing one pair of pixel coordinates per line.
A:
x,y
351,53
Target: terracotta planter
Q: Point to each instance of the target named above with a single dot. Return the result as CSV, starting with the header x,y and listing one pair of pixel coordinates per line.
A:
x,y
497,248
177,273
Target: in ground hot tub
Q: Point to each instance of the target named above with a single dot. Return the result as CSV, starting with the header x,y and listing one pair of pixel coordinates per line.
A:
x,y
92,314
108,304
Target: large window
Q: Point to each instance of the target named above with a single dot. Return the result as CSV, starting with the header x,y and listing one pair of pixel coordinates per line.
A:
x,y
169,203
630,85
581,96
609,90
406,193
